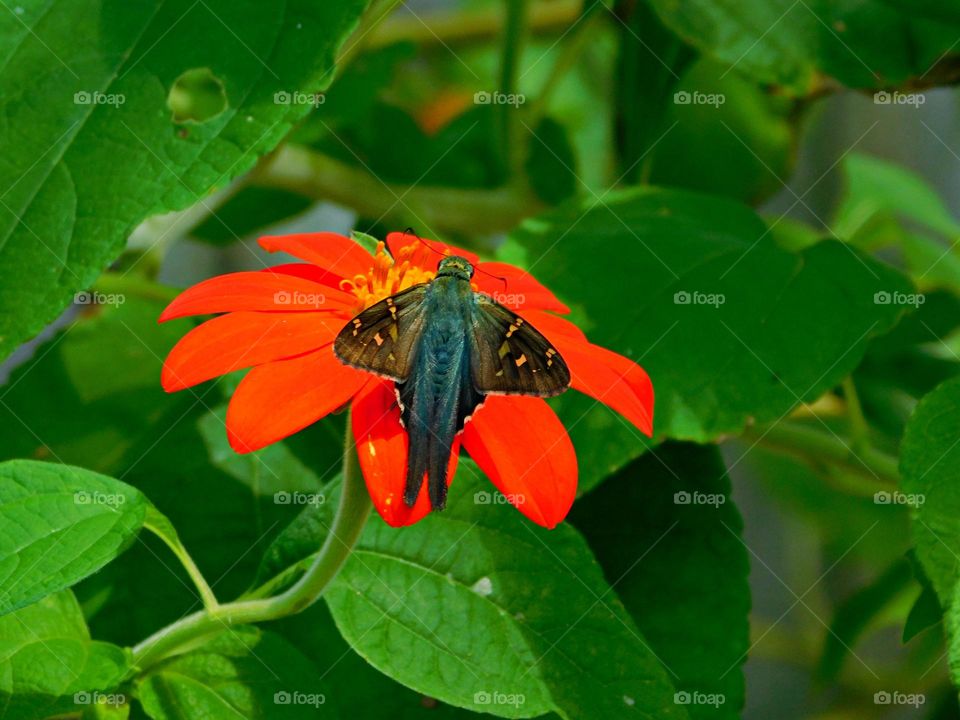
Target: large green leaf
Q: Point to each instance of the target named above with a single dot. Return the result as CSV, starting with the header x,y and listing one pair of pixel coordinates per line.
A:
x,y
874,43
243,672
58,524
930,466
49,665
91,148
481,610
641,269
667,535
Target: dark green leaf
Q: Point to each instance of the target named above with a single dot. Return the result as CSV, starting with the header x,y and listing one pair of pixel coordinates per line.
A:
x,y
668,537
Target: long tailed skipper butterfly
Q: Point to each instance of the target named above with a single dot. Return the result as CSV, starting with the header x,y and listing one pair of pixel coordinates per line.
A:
x,y
447,347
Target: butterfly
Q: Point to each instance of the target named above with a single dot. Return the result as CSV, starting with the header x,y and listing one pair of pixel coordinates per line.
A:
x,y
447,347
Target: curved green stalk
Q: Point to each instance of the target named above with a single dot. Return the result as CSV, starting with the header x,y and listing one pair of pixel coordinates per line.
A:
x,y
352,513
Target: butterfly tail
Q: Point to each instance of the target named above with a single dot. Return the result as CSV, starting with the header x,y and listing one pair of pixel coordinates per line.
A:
x,y
416,421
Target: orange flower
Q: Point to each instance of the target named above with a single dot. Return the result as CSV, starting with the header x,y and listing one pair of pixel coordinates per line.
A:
x,y
282,321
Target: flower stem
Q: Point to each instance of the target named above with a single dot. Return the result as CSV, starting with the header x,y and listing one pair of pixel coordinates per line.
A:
x,y
508,121
352,513
807,443
859,430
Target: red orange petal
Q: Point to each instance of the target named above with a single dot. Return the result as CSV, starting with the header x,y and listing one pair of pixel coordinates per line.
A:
x,y
515,288
614,380
244,339
382,445
329,251
522,446
279,398
258,291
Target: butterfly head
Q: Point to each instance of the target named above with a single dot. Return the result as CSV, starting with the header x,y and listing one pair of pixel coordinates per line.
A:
x,y
455,266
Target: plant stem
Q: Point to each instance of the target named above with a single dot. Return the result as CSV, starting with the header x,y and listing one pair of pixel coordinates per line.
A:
x,y
508,120
436,209
352,513
161,527
859,430
818,447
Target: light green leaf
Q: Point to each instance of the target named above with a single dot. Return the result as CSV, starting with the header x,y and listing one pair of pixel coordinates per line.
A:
x,y
481,610
92,148
49,665
243,673
676,280
58,524
668,536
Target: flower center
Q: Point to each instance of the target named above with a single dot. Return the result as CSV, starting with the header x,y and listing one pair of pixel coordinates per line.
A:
x,y
389,275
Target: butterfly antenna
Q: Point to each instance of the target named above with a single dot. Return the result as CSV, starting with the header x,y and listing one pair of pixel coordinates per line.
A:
x,y
410,231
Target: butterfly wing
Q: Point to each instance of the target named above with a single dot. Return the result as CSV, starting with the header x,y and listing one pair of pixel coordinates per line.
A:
x,y
511,357
382,338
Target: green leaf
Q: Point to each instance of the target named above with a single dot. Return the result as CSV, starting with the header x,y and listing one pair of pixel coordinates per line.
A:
x,y
243,672
551,165
49,665
668,537
862,44
250,210
788,327
59,524
876,186
926,611
92,147
930,468
479,609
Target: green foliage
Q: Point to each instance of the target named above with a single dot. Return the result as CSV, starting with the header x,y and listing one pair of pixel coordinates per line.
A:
x,y
70,203
507,613
59,524
789,326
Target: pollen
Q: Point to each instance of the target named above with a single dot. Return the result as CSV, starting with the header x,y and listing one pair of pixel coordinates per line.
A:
x,y
388,275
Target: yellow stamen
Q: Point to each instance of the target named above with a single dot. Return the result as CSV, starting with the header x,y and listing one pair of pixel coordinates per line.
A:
x,y
388,276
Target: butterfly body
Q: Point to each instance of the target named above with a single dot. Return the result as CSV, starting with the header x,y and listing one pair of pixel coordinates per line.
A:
x,y
447,347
